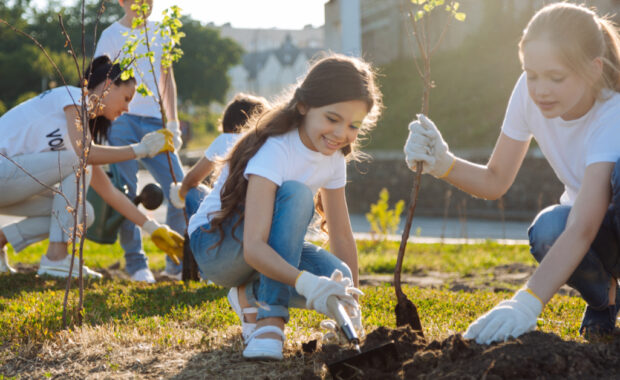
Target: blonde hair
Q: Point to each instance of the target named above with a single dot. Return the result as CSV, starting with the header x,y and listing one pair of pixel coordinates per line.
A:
x,y
579,36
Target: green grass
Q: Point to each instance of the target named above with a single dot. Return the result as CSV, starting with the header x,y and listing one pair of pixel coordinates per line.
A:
x,y
31,306
463,259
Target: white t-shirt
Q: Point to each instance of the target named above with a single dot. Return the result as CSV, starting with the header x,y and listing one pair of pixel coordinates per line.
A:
x,y
111,44
220,146
282,158
569,146
38,124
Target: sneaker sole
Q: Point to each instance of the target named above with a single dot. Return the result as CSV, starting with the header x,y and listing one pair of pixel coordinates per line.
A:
x,y
63,274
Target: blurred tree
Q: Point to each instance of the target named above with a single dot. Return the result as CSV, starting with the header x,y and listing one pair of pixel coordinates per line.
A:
x,y
201,74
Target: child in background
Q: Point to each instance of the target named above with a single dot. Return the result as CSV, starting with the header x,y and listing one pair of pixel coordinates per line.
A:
x,y
35,135
567,99
248,233
191,192
236,114
144,116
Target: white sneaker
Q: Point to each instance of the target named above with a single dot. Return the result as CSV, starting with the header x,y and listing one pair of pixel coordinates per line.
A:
x,y
4,262
173,276
143,275
60,268
265,348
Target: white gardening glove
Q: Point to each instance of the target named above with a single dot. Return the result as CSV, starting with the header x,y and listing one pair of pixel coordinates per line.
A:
x,y
354,311
426,144
175,195
509,318
317,289
174,127
153,143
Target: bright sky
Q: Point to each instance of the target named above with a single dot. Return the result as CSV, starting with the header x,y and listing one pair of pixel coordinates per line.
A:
x,y
281,14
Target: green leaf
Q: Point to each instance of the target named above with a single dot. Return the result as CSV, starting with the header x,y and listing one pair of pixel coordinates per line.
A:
x,y
460,16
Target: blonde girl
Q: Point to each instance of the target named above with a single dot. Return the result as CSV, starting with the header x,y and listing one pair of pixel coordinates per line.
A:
x,y
567,99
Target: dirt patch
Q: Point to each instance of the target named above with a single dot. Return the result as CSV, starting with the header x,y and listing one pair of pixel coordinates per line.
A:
x,y
533,356
497,279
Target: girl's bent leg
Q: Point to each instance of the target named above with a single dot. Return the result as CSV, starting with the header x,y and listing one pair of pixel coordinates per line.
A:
x,y
292,214
221,261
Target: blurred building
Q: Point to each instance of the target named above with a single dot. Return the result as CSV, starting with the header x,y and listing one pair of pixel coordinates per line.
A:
x,y
385,32
274,59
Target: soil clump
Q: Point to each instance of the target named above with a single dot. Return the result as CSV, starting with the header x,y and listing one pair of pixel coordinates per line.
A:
x,y
535,355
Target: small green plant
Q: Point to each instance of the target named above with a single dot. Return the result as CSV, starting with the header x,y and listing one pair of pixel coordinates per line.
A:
x,y
384,221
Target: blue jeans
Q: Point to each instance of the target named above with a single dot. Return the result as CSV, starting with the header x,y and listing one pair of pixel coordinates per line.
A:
x,y
224,264
193,198
592,278
129,129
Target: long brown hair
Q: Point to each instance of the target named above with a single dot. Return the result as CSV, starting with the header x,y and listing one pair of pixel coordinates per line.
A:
x,y
579,36
333,79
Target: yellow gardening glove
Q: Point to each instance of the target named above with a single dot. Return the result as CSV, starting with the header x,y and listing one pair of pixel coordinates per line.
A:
x,y
165,239
154,143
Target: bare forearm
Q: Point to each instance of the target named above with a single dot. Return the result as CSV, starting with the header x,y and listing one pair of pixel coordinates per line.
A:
x,y
346,250
101,154
558,265
260,256
477,180
170,95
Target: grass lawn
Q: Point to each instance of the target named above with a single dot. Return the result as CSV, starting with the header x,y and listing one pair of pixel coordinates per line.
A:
x,y
184,326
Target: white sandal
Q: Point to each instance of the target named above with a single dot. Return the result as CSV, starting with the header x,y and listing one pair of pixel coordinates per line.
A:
x,y
5,267
264,348
247,328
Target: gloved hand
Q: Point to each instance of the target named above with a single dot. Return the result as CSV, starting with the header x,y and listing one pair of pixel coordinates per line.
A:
x,y
509,318
165,239
175,195
174,127
426,144
153,143
317,289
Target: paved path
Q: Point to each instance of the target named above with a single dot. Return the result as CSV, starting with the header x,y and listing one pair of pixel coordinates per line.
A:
x,y
424,229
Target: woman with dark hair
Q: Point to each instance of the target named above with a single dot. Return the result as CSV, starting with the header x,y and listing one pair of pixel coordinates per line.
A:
x,y
43,136
248,233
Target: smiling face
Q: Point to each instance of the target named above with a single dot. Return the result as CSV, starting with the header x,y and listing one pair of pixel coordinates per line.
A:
x,y
556,90
116,101
330,128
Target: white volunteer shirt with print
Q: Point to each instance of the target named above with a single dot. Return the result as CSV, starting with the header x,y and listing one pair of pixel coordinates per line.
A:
x,y
38,124
221,145
282,158
569,146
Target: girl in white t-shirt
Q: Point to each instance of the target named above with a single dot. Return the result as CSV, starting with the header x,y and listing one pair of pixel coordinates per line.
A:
x,y
38,151
567,99
249,231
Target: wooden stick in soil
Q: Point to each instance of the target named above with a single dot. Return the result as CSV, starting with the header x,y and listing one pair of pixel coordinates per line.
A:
x,y
406,311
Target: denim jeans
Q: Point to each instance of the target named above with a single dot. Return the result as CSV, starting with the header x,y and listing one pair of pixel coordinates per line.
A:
x,y
193,198
224,264
129,129
593,275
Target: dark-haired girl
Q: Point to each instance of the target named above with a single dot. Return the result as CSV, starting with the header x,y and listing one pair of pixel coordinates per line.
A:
x,y
42,135
248,233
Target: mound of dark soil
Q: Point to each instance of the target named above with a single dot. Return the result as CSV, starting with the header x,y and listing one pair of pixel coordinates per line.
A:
x,y
535,355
